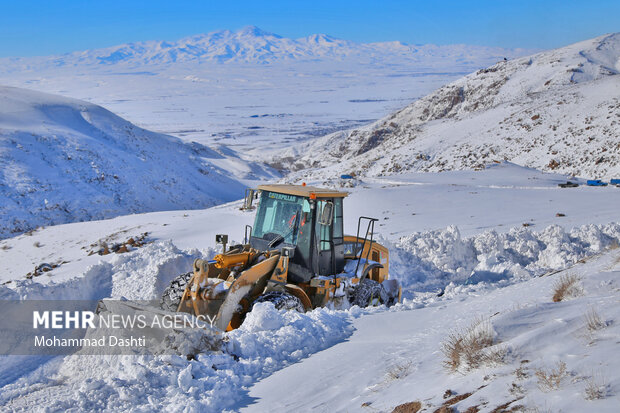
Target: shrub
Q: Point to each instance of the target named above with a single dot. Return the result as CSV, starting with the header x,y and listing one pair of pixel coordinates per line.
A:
x,y
411,407
596,388
398,371
593,321
566,287
551,379
468,349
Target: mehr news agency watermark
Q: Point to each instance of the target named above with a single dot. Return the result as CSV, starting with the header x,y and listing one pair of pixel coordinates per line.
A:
x,y
54,320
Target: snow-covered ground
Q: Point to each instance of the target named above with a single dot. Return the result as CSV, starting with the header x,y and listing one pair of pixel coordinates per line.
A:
x,y
489,266
395,357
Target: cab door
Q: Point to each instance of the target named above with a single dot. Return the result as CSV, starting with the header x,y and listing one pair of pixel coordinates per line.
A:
x,y
329,236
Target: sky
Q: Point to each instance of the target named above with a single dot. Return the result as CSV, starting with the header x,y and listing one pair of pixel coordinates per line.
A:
x,y
43,27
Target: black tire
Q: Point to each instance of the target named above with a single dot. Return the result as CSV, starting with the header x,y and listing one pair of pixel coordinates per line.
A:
x,y
369,292
171,297
282,301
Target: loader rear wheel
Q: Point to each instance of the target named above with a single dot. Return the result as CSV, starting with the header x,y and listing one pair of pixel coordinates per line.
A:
x,y
369,293
171,297
282,301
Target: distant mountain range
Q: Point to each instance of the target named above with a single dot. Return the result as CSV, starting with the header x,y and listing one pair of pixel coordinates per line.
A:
x,y
253,45
557,111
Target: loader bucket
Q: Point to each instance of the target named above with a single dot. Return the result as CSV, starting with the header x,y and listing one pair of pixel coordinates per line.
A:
x,y
228,310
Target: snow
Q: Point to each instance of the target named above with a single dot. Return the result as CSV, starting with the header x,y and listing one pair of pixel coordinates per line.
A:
x,y
213,381
66,160
394,357
553,111
467,245
430,258
254,45
250,90
473,271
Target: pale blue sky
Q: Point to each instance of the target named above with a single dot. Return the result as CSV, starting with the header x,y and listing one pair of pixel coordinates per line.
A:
x,y
41,27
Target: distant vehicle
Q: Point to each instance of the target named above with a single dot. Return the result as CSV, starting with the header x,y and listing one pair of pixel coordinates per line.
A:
x,y
596,182
568,184
615,182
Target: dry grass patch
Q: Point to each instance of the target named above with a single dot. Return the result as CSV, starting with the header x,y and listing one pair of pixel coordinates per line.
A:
x,y
457,399
551,379
468,349
411,407
399,371
568,286
593,321
596,388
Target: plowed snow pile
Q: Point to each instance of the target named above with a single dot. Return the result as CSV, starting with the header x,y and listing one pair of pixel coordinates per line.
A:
x,y
435,259
269,340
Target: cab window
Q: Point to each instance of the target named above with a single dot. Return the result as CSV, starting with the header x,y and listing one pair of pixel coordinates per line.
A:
x,y
280,214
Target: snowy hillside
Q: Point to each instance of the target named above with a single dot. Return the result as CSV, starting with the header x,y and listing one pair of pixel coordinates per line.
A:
x,y
555,111
253,45
65,160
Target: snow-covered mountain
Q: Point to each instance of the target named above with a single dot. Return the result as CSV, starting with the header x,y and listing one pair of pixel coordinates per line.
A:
x,y
557,110
253,45
64,160
250,89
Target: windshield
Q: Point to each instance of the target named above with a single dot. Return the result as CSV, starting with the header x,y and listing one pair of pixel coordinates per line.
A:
x,y
280,215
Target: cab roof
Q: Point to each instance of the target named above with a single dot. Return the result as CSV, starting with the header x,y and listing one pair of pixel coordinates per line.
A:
x,y
302,190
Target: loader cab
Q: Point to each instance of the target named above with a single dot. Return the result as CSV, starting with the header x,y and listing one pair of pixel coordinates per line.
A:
x,y
306,219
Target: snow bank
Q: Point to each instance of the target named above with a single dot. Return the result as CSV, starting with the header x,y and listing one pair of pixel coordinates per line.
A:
x,y
212,381
140,275
427,261
268,341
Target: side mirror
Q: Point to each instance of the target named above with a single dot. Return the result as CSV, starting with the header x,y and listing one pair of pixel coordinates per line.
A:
x,y
288,252
327,214
222,239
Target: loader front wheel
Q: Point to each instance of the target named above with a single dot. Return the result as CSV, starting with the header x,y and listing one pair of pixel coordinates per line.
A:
x,y
369,293
282,301
171,297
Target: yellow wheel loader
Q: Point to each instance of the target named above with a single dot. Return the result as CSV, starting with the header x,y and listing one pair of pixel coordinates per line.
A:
x,y
295,256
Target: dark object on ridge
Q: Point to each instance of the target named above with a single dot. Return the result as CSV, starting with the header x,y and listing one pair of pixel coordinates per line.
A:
x,y
568,184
